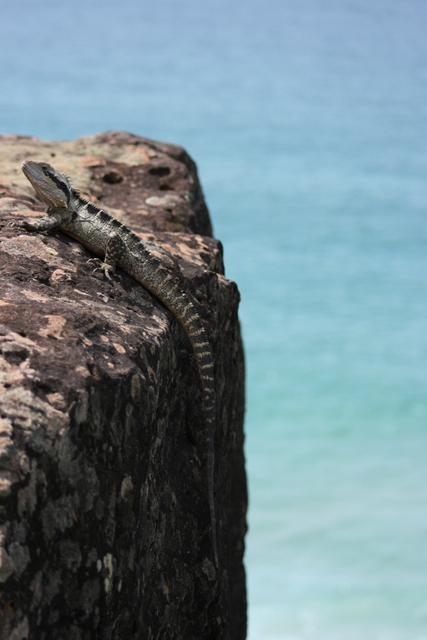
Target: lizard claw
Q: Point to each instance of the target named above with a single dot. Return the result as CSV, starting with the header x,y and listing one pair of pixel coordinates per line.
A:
x,y
96,261
23,224
105,268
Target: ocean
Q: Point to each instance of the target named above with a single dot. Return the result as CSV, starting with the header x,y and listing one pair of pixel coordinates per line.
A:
x,y
308,122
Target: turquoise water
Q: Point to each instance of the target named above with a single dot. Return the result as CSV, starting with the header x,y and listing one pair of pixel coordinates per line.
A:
x,y
308,121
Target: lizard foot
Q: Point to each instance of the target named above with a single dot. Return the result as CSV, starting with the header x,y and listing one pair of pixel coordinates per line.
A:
x,y
105,268
22,224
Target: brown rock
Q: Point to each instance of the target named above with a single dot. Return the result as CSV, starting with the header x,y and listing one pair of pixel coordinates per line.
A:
x,y
104,519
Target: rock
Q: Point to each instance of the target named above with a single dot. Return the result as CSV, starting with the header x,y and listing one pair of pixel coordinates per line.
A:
x,y
104,518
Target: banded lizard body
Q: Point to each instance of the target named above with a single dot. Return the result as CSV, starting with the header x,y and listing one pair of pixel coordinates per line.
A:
x,y
117,245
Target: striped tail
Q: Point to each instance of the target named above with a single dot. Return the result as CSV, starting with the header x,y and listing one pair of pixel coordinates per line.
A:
x,y
188,317
167,289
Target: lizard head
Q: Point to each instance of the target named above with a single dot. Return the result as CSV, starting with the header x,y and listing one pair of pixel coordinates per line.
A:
x,y
50,185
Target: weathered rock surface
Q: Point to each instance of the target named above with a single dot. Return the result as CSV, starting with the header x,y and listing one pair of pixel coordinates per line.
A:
x,y
104,519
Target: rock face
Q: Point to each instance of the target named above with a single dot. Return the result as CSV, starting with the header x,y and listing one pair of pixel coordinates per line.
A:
x,y
104,518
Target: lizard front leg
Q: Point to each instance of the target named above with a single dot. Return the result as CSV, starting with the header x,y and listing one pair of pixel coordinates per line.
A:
x,y
114,250
52,221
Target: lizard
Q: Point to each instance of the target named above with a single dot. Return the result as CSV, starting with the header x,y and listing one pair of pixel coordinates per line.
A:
x,y
115,245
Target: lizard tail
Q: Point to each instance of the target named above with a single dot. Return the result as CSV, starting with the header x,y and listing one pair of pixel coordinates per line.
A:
x,y
193,326
165,287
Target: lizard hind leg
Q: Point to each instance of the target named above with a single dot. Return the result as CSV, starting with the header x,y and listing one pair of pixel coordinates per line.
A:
x,y
114,250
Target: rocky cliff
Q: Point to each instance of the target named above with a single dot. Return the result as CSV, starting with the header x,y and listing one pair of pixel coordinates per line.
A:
x,y
104,518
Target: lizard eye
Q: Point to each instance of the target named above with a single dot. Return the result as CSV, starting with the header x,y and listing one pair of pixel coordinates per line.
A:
x,y
45,168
